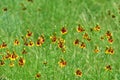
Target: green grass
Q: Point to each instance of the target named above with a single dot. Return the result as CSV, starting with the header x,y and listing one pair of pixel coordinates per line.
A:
x,y
49,16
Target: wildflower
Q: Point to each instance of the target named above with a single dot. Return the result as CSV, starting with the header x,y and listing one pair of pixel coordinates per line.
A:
x,y
4,45
29,34
108,34
11,64
61,43
38,75
7,56
2,62
53,38
64,30
96,28
14,56
21,61
16,42
110,40
31,43
40,40
78,73
85,36
82,45
96,50
76,42
80,28
38,43
62,63
109,50
24,51
108,68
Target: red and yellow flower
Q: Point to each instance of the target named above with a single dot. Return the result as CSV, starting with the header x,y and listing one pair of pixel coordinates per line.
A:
x,y
108,34
78,73
62,63
14,56
108,68
38,75
31,43
109,50
21,61
80,28
64,30
110,40
96,50
29,34
16,42
85,36
82,45
4,45
40,40
76,42
53,38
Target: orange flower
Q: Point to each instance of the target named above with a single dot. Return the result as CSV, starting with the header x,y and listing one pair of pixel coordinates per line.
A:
x,y
109,50
16,42
108,68
40,40
38,43
53,38
108,34
96,50
64,30
76,42
14,56
4,45
82,45
61,43
38,75
80,28
96,28
29,34
110,40
7,56
2,62
31,43
85,36
62,63
21,61
78,73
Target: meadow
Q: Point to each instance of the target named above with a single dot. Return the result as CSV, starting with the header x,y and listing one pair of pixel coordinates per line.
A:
x,y
59,39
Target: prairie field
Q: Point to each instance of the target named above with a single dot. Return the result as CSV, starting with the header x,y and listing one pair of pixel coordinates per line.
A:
x,y
59,39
